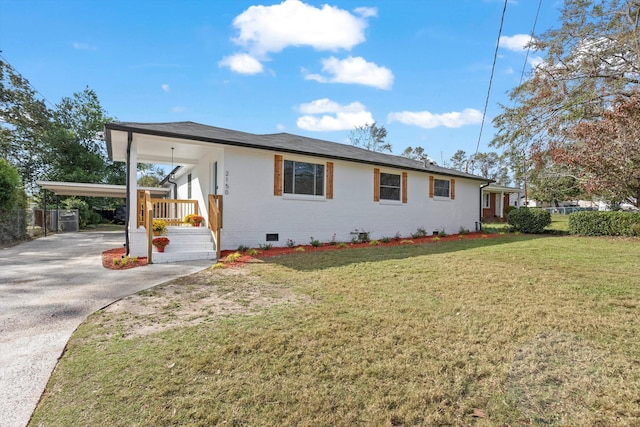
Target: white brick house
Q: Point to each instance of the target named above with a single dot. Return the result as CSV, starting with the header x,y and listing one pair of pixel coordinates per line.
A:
x,y
278,187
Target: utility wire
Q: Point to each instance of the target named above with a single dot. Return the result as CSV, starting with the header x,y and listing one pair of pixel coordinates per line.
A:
x,y
533,32
493,68
26,80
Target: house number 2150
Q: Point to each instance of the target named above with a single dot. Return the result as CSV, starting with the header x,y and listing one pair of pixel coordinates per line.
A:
x,y
226,183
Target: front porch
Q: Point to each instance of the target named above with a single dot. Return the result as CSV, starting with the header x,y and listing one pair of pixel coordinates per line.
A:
x,y
185,241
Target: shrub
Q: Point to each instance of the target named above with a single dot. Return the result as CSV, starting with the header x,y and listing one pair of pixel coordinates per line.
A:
x,y
385,239
12,193
314,242
510,208
604,223
290,243
266,246
242,248
464,231
528,220
253,252
374,243
420,232
232,257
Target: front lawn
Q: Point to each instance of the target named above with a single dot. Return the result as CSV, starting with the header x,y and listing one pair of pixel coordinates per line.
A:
x,y
510,330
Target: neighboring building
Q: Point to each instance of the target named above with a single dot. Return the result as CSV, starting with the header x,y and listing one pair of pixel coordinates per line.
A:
x,y
496,199
281,187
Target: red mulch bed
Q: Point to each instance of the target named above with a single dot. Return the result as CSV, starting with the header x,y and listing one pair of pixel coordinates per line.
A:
x,y
278,251
108,256
118,253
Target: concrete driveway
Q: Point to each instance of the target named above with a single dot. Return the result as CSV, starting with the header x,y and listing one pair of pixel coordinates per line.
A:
x,y
48,287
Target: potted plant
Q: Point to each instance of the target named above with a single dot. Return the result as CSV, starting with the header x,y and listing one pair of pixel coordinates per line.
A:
x,y
194,220
160,243
159,227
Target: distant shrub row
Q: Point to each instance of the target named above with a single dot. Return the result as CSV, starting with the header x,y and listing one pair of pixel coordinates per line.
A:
x,y
605,223
527,220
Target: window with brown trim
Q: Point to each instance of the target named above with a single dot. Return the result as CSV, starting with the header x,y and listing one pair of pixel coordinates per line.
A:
x,y
302,178
442,188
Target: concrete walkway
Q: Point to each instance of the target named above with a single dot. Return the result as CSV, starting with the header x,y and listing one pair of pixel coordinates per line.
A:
x,y
48,287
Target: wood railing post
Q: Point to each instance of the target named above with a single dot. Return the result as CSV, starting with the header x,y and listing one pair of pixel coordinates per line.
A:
x,y
215,219
148,209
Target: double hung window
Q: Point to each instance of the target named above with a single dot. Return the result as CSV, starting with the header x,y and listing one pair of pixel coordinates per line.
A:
x,y
441,187
389,186
303,178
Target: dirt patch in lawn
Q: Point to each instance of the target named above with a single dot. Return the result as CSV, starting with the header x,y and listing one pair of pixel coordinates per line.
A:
x,y
192,300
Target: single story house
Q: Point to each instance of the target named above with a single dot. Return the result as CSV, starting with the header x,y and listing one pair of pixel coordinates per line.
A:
x,y
282,188
496,199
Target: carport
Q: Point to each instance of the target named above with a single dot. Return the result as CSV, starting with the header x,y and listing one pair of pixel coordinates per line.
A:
x,y
85,189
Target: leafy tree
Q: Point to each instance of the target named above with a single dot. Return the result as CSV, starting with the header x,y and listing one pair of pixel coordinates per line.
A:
x,y
415,153
370,137
12,193
606,153
75,151
591,64
459,160
490,165
150,175
24,122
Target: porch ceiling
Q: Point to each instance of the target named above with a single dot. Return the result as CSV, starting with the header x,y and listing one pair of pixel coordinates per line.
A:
x,y
95,190
157,149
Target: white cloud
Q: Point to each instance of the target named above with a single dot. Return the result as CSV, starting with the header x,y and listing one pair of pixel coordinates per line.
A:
x,y
178,109
242,63
265,29
165,87
427,120
324,115
366,12
516,43
281,127
83,46
353,70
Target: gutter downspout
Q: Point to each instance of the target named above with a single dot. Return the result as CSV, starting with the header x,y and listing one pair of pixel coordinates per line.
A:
x,y
480,221
128,199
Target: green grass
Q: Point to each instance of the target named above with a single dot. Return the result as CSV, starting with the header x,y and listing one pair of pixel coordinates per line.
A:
x,y
524,329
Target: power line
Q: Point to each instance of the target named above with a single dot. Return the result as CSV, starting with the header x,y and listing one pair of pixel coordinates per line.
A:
x,y
533,31
493,68
26,80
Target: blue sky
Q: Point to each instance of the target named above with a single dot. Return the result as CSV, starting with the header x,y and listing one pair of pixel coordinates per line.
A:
x,y
420,68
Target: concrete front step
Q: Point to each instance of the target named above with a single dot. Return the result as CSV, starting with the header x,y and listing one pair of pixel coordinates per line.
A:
x,y
187,243
164,257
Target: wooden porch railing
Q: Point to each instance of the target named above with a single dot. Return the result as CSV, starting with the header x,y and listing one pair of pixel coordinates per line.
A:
x,y
171,211
148,222
215,219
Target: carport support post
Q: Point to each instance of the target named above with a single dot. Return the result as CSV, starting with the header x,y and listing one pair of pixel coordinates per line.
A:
x,y
130,219
44,211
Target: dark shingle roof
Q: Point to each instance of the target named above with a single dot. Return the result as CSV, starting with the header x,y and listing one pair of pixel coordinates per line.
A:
x,y
283,142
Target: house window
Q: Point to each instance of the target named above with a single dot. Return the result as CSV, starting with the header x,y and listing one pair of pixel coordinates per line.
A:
x,y
389,186
189,186
303,178
441,188
486,200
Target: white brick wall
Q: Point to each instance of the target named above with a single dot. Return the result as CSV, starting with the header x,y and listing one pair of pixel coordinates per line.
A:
x,y
251,210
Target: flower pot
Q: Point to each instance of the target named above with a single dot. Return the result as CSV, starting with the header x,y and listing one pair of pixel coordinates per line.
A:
x,y
156,233
160,248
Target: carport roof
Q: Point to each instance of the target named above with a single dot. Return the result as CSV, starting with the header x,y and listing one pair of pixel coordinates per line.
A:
x,y
95,190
